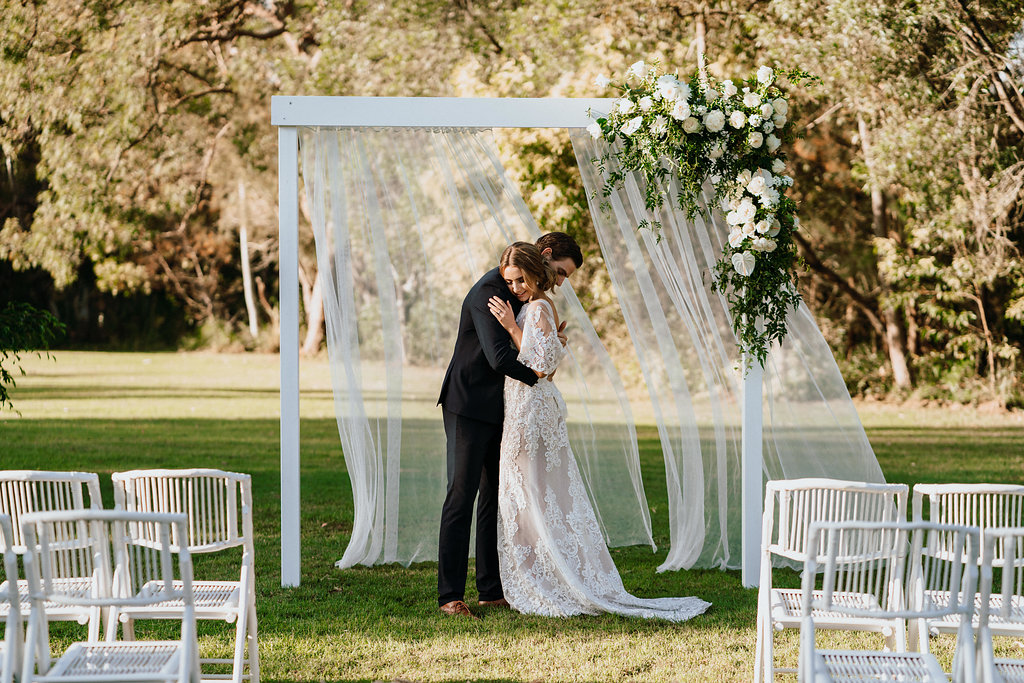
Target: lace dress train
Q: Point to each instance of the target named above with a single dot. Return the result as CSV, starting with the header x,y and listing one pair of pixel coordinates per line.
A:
x,y
552,556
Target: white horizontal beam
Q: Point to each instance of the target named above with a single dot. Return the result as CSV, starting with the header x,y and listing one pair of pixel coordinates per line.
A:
x,y
444,112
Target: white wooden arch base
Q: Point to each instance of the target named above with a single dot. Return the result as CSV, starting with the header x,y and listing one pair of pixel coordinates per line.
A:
x,y
288,114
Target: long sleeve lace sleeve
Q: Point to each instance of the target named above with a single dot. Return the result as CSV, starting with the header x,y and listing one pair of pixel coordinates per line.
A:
x,y
541,350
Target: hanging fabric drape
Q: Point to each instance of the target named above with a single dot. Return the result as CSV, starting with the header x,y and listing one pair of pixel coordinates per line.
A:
x,y
684,344
405,221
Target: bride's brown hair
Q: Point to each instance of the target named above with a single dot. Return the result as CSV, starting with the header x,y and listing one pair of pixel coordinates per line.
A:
x,y
537,272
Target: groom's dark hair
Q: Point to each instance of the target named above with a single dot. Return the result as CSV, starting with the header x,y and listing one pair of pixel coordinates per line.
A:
x,y
562,246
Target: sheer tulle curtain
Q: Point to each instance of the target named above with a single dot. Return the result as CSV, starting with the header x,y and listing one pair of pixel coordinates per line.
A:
x,y
405,221
689,361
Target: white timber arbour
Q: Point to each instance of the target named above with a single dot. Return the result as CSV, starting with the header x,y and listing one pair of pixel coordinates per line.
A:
x,y
289,113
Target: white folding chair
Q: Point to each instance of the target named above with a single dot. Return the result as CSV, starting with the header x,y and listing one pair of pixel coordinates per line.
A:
x,y
1003,610
25,491
986,506
219,509
124,550
790,507
10,649
871,558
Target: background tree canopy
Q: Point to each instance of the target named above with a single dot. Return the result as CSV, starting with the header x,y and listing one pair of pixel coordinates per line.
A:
x,y
140,164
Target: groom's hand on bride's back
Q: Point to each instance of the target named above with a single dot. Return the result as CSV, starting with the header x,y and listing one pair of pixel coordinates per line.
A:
x,y
561,333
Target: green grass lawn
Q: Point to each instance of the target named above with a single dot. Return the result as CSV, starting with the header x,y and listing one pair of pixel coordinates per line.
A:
x,y
107,412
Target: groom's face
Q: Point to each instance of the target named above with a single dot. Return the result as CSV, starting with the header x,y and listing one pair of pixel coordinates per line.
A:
x,y
564,267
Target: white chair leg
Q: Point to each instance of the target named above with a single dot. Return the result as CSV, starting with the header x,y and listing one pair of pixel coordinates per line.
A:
x,y
241,627
254,652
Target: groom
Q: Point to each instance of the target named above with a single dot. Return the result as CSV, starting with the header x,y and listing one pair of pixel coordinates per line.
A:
x,y
472,401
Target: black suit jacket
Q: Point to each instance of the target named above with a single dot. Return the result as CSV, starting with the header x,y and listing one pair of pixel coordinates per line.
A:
x,y
474,385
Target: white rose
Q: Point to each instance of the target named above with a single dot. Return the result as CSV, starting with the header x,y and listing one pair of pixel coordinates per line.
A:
x,y
659,126
681,110
736,238
756,186
749,230
762,227
751,99
714,120
728,89
743,262
716,151
737,119
602,81
624,105
773,143
781,106
779,120
746,211
691,125
638,69
754,120
632,126
778,166
595,130
733,217
765,75
767,111
771,246
646,103
774,230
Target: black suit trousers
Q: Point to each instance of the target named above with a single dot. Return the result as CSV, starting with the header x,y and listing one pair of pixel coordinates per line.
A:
x,y
473,449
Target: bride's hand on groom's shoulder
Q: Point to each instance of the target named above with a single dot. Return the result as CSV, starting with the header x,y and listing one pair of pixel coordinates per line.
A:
x,y
501,310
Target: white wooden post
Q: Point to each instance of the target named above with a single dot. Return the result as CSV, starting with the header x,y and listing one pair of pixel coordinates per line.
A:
x,y
752,458
288,272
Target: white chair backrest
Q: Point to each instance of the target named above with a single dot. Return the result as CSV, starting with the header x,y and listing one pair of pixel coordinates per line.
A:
x,y
874,557
218,504
793,505
26,491
10,561
1006,543
115,546
986,506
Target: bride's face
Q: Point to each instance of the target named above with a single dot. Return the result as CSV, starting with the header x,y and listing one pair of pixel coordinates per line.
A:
x,y
517,283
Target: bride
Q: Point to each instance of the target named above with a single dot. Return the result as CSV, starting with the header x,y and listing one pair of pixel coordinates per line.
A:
x,y
552,556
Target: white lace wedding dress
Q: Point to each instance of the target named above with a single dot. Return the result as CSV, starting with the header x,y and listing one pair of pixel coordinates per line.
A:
x,y
552,556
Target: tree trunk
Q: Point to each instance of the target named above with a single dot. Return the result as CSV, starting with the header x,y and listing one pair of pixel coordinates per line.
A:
x,y
312,296
243,246
895,336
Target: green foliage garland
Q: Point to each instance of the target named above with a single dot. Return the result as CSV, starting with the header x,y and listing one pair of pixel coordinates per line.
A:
x,y
731,135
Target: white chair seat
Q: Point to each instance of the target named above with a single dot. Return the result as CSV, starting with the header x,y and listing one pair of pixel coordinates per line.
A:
x,y
214,600
786,611
852,666
78,587
122,661
999,625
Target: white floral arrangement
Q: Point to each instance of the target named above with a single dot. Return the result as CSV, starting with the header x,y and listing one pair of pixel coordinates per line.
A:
x,y
731,135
